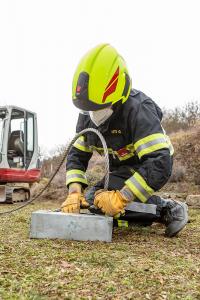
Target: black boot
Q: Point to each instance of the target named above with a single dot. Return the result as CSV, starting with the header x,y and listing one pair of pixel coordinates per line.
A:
x,y
175,216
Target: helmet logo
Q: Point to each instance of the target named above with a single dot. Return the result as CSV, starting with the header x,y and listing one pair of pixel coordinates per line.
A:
x,y
111,87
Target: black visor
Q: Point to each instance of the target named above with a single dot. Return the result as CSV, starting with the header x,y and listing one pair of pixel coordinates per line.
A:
x,y
81,101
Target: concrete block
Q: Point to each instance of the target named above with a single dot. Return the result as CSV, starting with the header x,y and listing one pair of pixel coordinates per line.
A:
x,y
81,227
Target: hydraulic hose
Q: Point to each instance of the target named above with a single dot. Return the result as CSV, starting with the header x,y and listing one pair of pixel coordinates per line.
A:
x,y
62,161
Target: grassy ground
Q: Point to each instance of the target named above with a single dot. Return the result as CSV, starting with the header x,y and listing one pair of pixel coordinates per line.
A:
x,y
140,263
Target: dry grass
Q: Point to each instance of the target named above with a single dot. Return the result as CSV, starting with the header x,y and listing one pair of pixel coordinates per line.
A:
x,y
140,263
186,157
179,172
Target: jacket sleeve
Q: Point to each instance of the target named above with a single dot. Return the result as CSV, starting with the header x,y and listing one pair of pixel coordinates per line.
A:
x,y
78,157
153,149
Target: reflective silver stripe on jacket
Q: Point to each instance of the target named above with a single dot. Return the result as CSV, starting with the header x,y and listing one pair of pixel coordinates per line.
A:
x,y
139,187
151,143
75,176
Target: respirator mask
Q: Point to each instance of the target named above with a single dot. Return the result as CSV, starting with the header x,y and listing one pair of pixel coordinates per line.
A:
x,y
98,117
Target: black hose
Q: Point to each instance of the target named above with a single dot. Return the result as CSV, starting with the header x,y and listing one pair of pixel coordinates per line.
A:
x,y
60,164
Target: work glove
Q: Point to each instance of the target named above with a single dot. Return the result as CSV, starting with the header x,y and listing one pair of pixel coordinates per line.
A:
x,y
112,203
75,200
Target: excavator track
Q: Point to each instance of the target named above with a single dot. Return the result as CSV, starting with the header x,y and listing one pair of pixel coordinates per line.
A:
x,y
14,193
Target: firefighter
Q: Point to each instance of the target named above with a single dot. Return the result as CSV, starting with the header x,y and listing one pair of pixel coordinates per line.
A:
x,y
140,153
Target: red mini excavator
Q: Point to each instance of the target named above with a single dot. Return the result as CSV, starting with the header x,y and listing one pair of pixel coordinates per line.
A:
x,y
19,155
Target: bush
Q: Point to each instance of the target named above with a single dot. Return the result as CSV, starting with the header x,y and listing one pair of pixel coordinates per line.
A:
x,y
181,117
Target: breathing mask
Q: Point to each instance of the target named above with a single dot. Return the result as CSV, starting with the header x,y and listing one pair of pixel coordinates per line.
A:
x,y
98,117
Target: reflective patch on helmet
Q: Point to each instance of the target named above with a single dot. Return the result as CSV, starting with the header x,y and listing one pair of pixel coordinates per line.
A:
x,y
111,87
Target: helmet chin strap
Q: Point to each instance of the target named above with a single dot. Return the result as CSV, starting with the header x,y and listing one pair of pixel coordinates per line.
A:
x,y
98,117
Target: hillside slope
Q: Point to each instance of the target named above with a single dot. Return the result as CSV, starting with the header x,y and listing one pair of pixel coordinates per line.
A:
x,y
186,169
187,153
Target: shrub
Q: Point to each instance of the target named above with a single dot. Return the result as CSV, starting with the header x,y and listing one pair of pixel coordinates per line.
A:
x,y
181,117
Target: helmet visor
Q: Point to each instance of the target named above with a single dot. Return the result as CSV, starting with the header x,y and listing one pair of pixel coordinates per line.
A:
x,y
81,100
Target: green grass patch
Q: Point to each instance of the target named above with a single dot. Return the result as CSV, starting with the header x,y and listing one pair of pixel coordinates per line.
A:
x,y
140,263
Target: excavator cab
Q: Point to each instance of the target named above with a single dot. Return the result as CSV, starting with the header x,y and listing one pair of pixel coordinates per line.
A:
x,y
19,155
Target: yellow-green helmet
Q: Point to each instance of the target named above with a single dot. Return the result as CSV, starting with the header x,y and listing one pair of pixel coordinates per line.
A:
x,y
101,79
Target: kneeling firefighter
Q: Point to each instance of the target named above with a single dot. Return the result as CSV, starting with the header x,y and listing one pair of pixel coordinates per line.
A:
x,y
140,153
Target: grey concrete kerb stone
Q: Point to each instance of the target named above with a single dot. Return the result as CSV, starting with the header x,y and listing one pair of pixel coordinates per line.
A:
x,y
81,227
